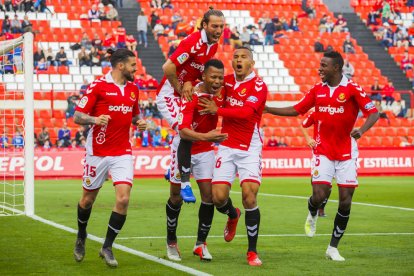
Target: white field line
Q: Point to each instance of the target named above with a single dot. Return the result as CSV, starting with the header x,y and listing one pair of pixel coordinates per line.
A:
x,y
333,200
269,235
143,255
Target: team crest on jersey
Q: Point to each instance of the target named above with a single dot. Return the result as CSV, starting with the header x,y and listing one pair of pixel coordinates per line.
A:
x,y
243,92
82,103
178,176
88,182
341,98
132,96
182,58
315,174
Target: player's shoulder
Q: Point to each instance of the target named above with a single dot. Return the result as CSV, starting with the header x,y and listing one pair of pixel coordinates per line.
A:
x,y
353,85
192,38
259,84
98,83
229,80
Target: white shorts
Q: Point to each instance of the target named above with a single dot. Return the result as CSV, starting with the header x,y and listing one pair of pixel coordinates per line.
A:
x,y
96,168
248,164
202,164
324,170
168,104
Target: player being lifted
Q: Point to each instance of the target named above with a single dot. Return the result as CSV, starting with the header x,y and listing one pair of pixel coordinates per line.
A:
x,y
337,102
110,105
181,70
241,153
201,130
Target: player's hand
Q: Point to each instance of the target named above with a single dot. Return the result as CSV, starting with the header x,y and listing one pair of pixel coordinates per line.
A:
x,y
356,133
142,124
210,106
311,143
187,91
102,120
216,136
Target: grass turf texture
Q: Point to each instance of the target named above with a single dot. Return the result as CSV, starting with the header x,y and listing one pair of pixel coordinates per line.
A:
x,y
28,246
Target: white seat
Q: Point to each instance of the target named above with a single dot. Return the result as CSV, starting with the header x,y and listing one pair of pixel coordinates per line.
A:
x,y
55,23
289,80
77,79
277,80
226,13
41,15
268,49
283,72
43,78
20,86
78,86
235,13
90,78
248,21
272,88
67,78
268,80
278,64
245,14
9,78
46,86
258,63
35,78
262,72
96,71
294,88
268,64
62,16
85,70
36,86
284,88
273,56
258,48
54,78
74,70
273,72
69,55
43,45
230,21
70,87
11,86
54,46
65,45
58,87
239,21
75,24
65,24
263,56
409,16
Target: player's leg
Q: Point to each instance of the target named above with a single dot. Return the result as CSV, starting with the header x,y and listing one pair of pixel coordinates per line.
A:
x,y
223,176
95,169
321,210
347,182
173,208
323,171
184,165
121,169
202,168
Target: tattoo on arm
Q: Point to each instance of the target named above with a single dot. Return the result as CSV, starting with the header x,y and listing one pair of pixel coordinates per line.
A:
x,y
83,119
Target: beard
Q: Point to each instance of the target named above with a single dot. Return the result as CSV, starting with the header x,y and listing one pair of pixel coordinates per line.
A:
x,y
128,76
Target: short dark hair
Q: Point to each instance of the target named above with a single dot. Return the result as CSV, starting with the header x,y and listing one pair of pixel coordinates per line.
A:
x,y
120,55
336,57
213,63
245,48
207,14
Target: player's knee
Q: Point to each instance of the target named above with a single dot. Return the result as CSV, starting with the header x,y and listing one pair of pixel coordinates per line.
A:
x,y
249,200
86,202
219,200
123,201
318,196
207,198
345,204
176,198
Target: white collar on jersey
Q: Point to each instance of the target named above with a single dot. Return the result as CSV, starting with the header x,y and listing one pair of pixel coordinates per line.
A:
x,y
344,81
204,36
246,79
110,79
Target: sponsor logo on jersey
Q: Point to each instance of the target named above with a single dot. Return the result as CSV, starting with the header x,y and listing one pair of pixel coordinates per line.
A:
x,y
178,176
82,103
219,97
243,92
111,93
341,98
182,58
252,99
331,110
369,106
233,102
88,182
197,66
321,96
120,108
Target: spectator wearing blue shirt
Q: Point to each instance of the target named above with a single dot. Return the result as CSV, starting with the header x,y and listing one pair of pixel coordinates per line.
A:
x,y
18,140
64,135
157,139
4,141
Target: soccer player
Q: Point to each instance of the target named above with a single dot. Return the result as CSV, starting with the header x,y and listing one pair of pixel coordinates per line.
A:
x,y
337,102
110,105
201,130
308,122
241,153
184,67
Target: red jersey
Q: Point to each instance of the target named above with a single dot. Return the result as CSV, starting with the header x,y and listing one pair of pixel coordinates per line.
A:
x,y
121,32
191,118
244,133
190,56
104,97
336,110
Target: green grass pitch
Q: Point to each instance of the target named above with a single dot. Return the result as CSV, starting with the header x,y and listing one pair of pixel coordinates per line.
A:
x,y
31,247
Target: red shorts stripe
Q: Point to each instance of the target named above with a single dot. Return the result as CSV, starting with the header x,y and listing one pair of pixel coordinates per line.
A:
x,y
203,180
175,184
321,183
347,185
221,183
123,182
93,190
250,180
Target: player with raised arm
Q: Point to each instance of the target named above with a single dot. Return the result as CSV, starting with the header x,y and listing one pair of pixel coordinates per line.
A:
x,y
201,130
181,70
337,102
110,104
242,152
307,123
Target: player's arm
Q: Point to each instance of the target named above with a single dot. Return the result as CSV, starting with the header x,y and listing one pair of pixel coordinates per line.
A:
x,y
81,118
210,107
281,111
211,136
170,71
140,123
309,141
369,122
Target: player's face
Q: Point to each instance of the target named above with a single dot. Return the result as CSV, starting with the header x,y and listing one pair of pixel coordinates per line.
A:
x,y
213,79
326,69
214,28
242,63
129,68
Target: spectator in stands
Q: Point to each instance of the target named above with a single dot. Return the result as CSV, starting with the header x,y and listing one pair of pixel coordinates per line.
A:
x,y
388,36
318,46
405,143
97,42
64,135
47,145
6,25
86,41
226,34
61,58
175,19
141,83
348,69
348,46
131,43
145,138
154,18
152,110
323,28
16,25
42,6
121,37
4,139
28,6
282,142
158,29
410,3
406,62
381,112
272,142
387,93
386,12
93,13
376,96
43,137
235,41
372,18
82,133
8,67
73,144
18,60
245,37
294,23
152,83
399,109
18,140
27,26
142,28
105,59
49,57
83,87
112,13
309,10
254,38
340,24
109,41
157,139
84,57
101,12
156,4
95,57
400,39
72,102
41,65
269,29
37,56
